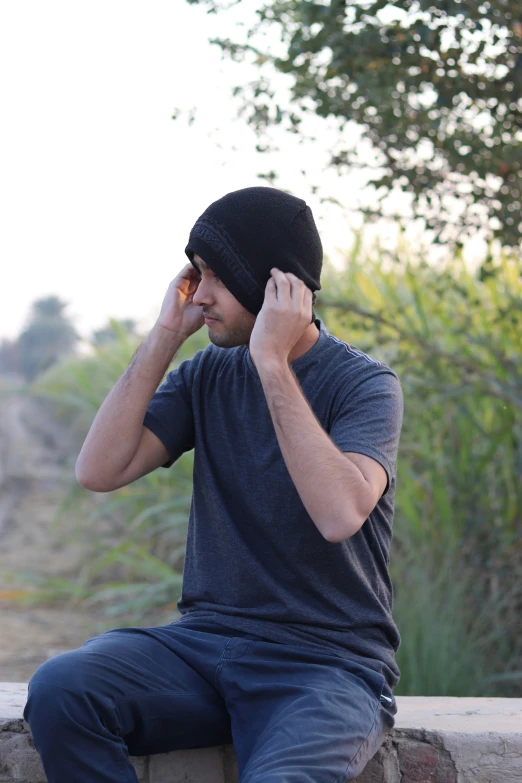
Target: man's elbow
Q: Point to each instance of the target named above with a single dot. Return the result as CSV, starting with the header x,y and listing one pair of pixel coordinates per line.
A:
x,y
340,526
86,481
335,532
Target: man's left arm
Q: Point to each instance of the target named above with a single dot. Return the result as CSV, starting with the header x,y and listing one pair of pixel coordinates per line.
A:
x,y
338,489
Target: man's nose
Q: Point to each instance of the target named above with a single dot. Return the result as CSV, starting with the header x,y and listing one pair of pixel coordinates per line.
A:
x,y
203,294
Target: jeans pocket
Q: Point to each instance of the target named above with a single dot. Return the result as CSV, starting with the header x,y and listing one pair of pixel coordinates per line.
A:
x,y
376,682
388,705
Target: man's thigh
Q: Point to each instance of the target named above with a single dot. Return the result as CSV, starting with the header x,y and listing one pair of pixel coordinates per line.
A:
x,y
154,687
302,717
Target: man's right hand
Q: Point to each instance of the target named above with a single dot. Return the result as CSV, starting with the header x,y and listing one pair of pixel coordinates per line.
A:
x,y
178,312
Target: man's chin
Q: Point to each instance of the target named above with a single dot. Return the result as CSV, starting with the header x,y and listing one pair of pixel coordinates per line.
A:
x,y
220,340
223,340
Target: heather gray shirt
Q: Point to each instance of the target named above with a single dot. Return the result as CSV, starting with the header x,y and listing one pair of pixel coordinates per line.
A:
x,y
255,560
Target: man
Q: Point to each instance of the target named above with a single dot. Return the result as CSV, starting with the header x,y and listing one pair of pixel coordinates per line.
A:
x,y
286,644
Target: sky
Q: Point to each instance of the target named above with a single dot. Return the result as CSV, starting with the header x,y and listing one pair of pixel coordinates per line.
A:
x,y
99,186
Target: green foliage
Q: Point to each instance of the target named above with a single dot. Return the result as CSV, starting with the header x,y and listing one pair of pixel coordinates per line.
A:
x,y
135,560
48,337
436,88
454,340
110,332
9,356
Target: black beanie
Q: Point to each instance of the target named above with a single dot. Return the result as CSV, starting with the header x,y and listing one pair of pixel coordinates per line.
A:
x,y
246,233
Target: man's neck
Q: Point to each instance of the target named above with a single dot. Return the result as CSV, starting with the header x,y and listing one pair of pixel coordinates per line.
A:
x,y
305,342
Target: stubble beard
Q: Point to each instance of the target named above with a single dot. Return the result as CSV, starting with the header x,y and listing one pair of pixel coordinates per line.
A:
x,y
230,338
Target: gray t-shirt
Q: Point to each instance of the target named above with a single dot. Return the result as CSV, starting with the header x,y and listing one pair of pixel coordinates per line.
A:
x,y
255,560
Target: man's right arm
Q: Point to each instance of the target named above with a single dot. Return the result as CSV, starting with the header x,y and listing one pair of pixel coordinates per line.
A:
x,y
118,448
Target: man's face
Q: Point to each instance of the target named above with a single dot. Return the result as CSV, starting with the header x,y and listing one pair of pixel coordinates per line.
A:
x,y
234,323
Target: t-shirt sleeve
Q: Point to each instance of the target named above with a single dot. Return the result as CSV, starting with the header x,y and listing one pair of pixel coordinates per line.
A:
x,y
368,419
170,414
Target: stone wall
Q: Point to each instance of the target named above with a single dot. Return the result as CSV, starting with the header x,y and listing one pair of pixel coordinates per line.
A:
x,y
435,740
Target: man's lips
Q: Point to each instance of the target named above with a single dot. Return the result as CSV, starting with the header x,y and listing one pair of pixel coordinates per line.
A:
x,y
209,319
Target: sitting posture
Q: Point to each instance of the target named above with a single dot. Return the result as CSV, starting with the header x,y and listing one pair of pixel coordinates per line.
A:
x,y
285,644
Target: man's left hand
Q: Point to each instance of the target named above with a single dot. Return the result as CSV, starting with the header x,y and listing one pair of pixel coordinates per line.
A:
x,y
283,319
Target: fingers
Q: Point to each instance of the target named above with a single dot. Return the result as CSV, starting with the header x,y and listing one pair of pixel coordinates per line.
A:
x,y
271,287
297,289
186,281
188,272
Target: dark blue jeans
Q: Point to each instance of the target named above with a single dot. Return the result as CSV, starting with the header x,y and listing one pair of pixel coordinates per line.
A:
x,y
294,714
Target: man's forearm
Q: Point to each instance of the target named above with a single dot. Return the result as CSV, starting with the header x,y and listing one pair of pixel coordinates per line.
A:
x,y
115,433
328,482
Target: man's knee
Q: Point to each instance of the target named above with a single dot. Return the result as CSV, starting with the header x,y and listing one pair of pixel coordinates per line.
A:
x,y
57,688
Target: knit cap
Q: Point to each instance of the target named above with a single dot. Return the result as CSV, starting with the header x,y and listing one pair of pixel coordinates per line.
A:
x,y
246,233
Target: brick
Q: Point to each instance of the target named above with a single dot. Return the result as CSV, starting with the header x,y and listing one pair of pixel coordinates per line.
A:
x,y
19,760
141,765
202,765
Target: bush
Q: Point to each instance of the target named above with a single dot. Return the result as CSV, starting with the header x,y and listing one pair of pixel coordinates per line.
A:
x,y
454,339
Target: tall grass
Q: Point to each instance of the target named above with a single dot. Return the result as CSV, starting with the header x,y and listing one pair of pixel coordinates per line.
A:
x,y
454,337
133,540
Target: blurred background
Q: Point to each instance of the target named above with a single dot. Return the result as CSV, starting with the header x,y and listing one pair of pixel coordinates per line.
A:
x,y
400,124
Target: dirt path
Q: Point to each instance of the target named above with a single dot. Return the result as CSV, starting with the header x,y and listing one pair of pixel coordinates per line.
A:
x,y
30,634
30,544
35,473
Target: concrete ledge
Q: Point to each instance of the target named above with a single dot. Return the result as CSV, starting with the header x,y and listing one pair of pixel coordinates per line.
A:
x,y
435,740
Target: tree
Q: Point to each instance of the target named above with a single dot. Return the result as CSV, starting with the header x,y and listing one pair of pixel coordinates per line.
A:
x,y
9,356
48,336
435,86
114,328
